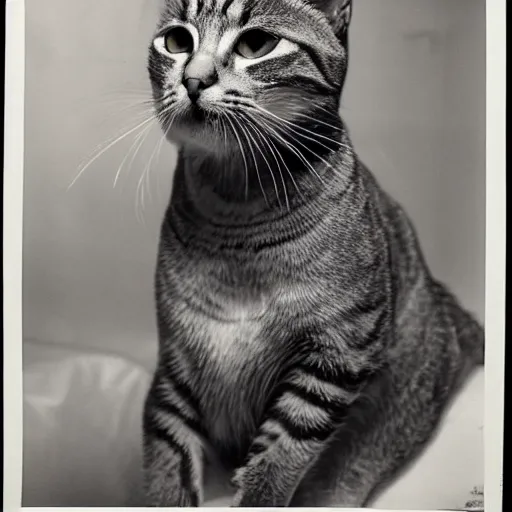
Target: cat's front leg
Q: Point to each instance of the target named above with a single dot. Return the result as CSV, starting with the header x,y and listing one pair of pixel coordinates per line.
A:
x,y
270,478
173,452
308,408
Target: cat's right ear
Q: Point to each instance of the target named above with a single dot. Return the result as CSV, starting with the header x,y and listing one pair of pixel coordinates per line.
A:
x,y
339,14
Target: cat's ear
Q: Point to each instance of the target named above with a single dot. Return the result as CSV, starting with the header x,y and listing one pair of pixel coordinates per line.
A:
x,y
339,14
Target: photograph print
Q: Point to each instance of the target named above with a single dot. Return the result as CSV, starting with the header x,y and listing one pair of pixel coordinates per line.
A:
x,y
254,253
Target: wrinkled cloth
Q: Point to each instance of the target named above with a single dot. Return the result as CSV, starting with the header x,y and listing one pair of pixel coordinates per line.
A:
x,y
82,438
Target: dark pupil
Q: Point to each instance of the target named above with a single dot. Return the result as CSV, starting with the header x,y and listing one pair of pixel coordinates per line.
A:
x,y
255,39
181,37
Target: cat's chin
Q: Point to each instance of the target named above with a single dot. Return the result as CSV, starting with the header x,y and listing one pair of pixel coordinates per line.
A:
x,y
199,130
201,138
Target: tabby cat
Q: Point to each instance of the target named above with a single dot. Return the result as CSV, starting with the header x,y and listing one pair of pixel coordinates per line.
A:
x,y
303,342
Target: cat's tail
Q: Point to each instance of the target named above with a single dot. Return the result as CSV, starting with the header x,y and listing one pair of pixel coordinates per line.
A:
x,y
472,339
470,334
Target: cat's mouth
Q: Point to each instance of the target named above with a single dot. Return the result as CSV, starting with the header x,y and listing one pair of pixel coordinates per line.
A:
x,y
196,117
198,126
196,113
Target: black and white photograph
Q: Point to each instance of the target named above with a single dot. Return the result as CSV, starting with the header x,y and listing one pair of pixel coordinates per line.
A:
x,y
255,255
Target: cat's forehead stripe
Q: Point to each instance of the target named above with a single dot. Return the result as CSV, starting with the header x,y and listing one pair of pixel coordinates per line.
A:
x,y
237,11
191,9
226,5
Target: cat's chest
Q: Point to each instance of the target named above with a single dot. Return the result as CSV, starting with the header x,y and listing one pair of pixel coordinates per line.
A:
x,y
228,345
235,363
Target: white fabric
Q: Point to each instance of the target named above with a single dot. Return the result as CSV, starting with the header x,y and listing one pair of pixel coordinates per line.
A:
x,y
82,433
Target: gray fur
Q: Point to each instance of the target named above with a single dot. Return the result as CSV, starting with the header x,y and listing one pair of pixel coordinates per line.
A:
x,y
304,343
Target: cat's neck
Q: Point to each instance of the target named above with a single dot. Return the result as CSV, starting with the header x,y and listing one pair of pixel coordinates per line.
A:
x,y
252,188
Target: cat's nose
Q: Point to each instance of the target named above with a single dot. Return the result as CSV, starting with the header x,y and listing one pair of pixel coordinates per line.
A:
x,y
200,74
194,87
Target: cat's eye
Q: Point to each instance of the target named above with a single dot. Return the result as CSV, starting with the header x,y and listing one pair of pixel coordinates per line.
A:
x,y
179,40
256,43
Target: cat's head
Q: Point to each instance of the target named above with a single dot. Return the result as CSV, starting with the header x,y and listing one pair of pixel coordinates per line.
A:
x,y
224,72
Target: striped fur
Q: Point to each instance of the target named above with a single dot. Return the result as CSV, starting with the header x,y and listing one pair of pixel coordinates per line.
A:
x,y
303,341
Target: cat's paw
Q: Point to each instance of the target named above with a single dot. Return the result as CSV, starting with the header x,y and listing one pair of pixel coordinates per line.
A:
x,y
238,477
237,499
255,489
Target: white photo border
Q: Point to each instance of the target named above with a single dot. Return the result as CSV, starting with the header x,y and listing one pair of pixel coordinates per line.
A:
x,y
495,257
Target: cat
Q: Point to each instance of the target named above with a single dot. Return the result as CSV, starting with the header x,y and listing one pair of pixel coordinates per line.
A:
x,y
303,341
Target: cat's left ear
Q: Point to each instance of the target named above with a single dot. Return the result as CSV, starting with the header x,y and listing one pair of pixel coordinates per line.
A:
x,y
339,14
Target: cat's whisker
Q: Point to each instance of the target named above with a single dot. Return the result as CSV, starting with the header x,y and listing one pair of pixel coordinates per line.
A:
x,y
134,155
157,160
281,158
290,174
120,99
140,194
243,155
136,101
142,90
144,183
263,138
225,131
269,167
296,151
162,101
225,134
340,144
315,140
115,141
296,126
255,127
160,144
137,118
125,104
136,140
147,169
244,131
138,211
304,146
286,130
324,109
150,105
145,134
146,166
